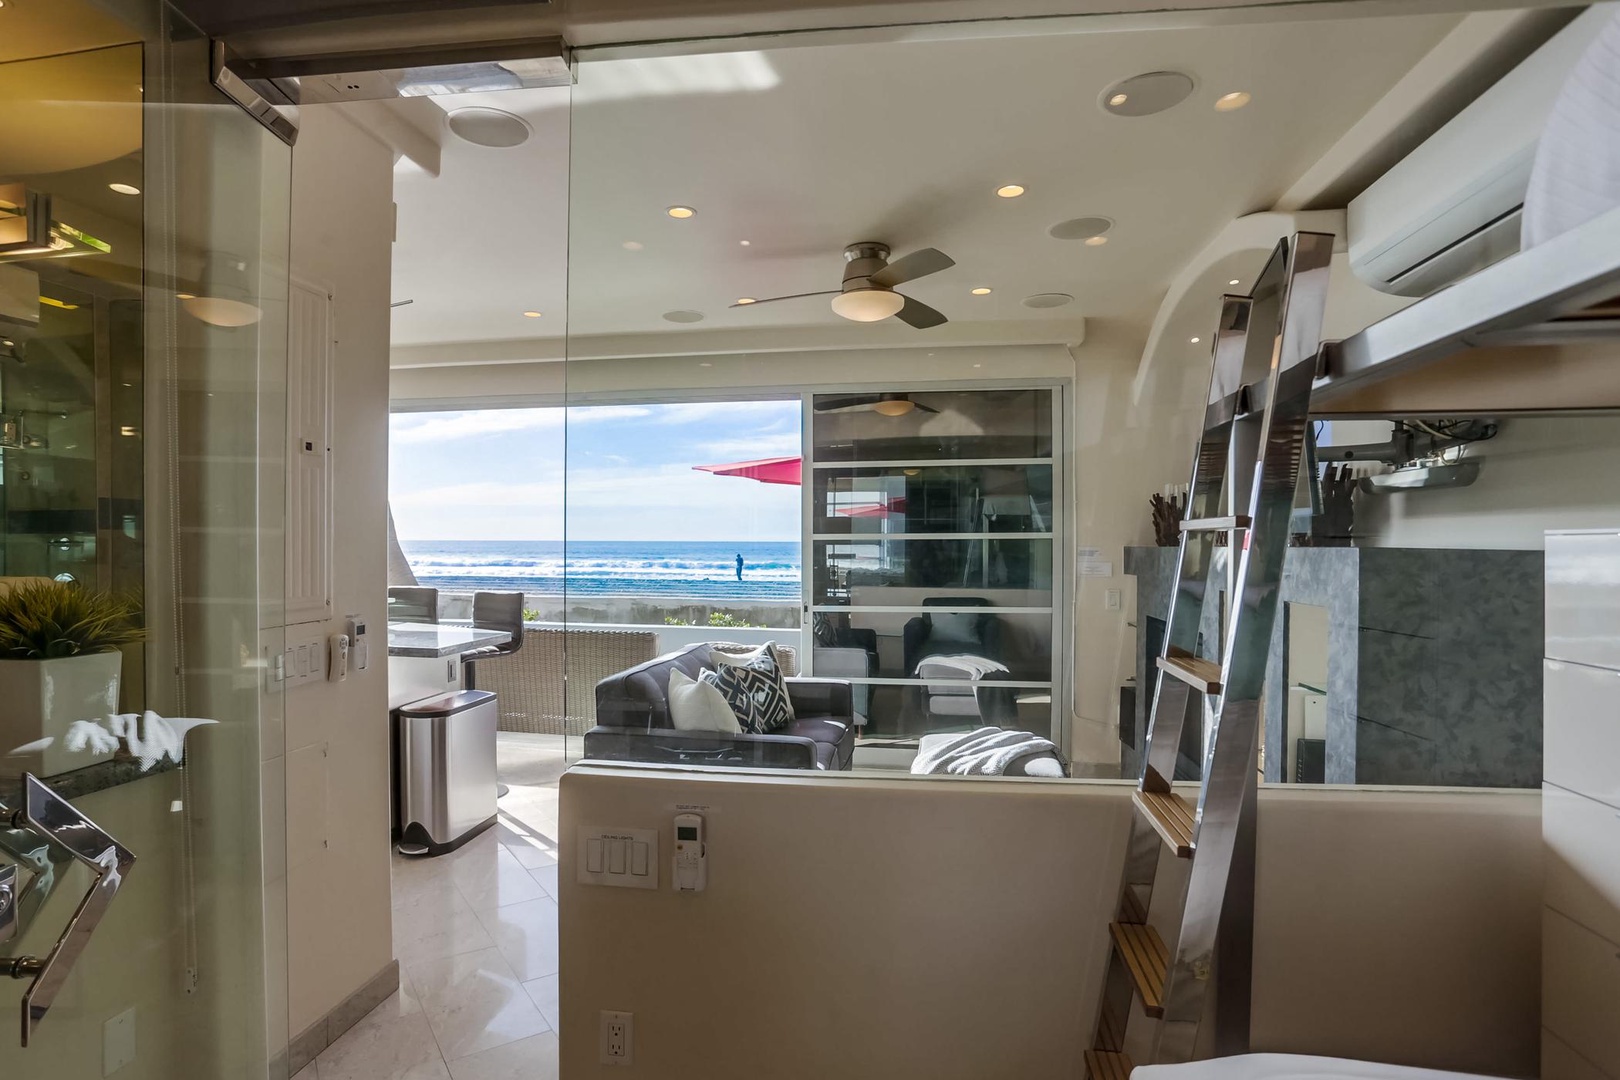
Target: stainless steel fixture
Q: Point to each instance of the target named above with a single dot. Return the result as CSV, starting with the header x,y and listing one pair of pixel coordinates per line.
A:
x,y
446,770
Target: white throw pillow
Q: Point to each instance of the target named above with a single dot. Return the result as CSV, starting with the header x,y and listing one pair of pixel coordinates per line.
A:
x,y
699,706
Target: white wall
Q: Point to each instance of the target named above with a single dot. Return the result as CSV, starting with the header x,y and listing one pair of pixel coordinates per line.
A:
x,y
861,927
338,905
1539,473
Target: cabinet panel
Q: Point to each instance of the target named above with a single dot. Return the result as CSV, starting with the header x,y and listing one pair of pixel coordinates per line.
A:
x,y
1582,730
309,423
1583,597
1582,840
1581,990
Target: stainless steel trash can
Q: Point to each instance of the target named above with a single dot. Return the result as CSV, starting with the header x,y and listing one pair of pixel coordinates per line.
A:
x,y
446,753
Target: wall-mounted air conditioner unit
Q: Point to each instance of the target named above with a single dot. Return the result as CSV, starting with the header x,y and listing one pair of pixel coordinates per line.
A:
x,y
1452,206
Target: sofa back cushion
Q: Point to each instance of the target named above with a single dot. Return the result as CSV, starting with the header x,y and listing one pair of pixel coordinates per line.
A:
x,y
639,697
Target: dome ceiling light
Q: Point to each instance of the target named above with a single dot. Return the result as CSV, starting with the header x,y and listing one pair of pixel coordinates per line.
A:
x,y
1080,228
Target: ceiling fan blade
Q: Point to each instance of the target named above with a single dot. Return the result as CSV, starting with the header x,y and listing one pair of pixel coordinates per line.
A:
x,y
795,296
920,315
847,402
923,408
917,264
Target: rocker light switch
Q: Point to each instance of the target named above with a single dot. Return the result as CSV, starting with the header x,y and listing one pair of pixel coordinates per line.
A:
x,y
624,857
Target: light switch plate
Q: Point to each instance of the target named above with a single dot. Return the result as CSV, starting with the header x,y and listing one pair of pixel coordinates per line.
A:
x,y
118,1042
609,856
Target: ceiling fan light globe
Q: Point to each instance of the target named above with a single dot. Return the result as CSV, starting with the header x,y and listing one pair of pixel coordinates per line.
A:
x,y
894,407
867,305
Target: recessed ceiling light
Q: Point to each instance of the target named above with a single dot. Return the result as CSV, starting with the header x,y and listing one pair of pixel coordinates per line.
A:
x,y
531,314
1096,241
632,245
1080,228
1193,340
1235,100
185,296
745,300
680,212
981,291
1146,94
705,363
1234,281
745,243
1047,300
124,189
1010,191
682,316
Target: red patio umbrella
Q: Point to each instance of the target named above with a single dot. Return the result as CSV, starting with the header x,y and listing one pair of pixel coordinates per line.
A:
x,y
776,470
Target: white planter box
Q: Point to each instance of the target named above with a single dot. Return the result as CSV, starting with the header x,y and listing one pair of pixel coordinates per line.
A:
x,y
40,698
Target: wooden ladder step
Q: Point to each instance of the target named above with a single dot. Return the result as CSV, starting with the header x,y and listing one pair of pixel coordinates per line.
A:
x,y
1216,524
1195,671
1108,1065
1171,816
1147,959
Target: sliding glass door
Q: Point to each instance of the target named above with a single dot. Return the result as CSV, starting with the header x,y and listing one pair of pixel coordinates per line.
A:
x,y
933,535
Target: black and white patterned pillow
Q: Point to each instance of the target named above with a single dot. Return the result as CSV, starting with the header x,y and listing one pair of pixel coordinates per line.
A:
x,y
755,692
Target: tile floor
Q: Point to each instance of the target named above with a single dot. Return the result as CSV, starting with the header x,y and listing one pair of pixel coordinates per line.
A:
x,y
475,932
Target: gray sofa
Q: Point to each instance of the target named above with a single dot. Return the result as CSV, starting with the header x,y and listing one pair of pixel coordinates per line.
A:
x,y
633,722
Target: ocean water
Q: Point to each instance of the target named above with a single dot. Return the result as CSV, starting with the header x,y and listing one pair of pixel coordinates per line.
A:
x,y
690,570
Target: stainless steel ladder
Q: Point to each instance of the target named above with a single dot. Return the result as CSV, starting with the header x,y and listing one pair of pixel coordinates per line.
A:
x,y
1228,574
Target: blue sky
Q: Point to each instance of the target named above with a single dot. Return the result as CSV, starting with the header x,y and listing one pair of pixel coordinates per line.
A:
x,y
499,474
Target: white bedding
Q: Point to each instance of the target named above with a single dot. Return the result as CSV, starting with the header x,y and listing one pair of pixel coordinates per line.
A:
x,y
1290,1067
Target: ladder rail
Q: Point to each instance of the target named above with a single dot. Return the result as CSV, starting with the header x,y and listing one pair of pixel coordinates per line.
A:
x,y
1245,476
1231,757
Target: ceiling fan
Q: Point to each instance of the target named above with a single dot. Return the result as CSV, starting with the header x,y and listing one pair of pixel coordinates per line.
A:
x,y
869,279
886,404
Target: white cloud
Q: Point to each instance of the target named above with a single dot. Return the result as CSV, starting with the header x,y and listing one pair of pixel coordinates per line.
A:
x,y
445,426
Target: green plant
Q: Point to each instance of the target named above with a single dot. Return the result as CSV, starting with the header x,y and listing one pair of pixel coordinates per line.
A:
x,y
45,620
671,620
531,614
727,619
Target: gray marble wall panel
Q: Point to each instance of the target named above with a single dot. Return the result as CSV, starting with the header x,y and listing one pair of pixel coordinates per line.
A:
x,y
1434,665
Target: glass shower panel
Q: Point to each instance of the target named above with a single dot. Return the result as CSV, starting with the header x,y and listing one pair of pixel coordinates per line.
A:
x,y
142,413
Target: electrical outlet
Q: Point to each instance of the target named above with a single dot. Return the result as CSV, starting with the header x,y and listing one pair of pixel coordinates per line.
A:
x,y
618,1044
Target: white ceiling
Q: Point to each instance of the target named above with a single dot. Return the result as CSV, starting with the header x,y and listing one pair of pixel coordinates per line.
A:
x,y
803,150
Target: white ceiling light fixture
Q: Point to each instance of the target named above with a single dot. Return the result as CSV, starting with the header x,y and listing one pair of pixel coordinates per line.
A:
x,y
1234,281
1010,191
1194,340
532,314
1096,241
124,189
868,305
745,243
680,213
1080,228
1233,101
1047,300
980,291
744,300
493,128
1146,94
683,316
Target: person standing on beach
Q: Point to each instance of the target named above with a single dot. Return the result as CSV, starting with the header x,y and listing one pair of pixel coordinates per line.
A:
x,y
739,565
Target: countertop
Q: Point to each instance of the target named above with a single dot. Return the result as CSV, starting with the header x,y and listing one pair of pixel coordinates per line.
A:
x,y
439,639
